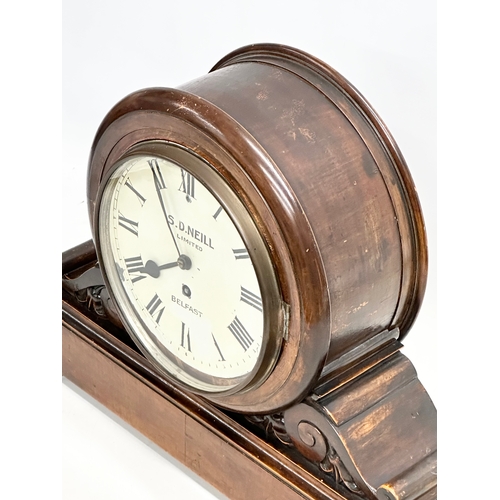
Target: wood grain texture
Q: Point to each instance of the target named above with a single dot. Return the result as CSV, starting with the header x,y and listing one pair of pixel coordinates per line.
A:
x,y
337,185
379,429
322,179
324,182
209,442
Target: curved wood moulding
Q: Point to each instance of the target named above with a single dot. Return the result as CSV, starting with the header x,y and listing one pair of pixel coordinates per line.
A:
x,y
325,184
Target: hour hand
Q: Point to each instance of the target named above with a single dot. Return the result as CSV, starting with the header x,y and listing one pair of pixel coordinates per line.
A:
x,y
153,269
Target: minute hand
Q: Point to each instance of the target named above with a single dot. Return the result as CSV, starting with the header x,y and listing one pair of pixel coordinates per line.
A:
x,y
159,185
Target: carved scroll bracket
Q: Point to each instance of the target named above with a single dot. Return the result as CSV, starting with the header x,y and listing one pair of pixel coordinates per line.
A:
x,y
88,287
375,434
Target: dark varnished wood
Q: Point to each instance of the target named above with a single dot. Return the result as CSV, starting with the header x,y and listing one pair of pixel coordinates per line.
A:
x,y
323,181
228,152
378,429
367,433
223,451
345,147
330,193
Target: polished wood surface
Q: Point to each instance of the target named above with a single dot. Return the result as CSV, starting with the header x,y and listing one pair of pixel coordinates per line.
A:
x,y
330,193
325,183
368,433
376,432
225,452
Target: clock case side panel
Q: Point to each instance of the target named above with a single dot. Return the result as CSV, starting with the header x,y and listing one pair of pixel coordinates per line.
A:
x,y
349,178
186,120
384,159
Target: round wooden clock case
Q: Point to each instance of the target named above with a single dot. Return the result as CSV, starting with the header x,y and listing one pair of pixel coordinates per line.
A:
x,y
324,183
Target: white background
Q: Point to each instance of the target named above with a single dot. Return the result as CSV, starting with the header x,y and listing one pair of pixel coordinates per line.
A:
x,y
386,49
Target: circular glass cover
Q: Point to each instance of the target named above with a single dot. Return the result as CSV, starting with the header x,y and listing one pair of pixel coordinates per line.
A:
x,y
181,273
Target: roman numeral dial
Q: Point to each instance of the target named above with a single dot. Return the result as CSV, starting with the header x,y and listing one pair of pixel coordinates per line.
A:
x,y
157,174
240,333
155,308
185,337
252,299
135,267
217,213
188,283
241,253
130,225
187,185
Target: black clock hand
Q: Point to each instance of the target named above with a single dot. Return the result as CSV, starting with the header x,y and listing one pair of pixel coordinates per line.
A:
x,y
153,269
159,184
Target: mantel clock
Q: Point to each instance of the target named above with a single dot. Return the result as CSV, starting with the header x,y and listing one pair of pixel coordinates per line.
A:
x,y
258,235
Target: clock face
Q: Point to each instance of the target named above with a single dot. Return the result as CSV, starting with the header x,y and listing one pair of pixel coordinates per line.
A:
x,y
181,273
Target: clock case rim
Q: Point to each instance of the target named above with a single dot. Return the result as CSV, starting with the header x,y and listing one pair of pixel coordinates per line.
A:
x,y
180,117
167,114
274,308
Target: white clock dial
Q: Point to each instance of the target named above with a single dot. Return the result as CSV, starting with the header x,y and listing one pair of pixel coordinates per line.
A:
x,y
182,273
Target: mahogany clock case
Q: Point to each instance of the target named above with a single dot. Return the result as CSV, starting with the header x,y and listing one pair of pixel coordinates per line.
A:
x,y
335,207
324,182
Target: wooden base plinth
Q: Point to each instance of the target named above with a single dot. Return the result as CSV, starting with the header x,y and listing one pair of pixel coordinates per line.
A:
x,y
221,448
208,441
368,433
